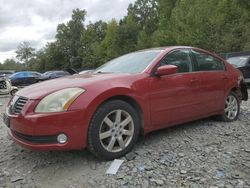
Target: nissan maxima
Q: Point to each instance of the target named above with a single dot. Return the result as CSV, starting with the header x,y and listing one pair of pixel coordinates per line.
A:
x,y
107,109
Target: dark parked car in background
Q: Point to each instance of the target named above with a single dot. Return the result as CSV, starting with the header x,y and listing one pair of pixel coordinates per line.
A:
x,y
6,73
243,64
53,74
24,78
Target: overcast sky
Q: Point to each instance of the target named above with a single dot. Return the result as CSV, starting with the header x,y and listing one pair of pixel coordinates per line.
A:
x,y
35,21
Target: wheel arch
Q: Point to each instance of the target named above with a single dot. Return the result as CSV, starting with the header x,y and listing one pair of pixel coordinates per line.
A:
x,y
237,91
130,100
234,89
93,102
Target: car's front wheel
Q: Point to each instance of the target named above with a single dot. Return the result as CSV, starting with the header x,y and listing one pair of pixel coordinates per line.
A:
x,y
114,130
13,92
232,108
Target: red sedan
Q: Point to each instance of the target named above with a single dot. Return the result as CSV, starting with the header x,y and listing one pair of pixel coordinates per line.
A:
x,y
140,92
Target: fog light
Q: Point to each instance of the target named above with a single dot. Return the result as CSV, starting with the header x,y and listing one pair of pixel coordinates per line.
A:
x,y
62,138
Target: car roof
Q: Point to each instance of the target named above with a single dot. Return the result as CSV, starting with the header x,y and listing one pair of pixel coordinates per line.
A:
x,y
27,72
164,48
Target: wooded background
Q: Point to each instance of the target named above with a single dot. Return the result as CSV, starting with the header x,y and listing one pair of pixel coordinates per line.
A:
x,y
215,25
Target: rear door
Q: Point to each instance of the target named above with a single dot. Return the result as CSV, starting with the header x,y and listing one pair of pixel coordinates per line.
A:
x,y
212,73
175,98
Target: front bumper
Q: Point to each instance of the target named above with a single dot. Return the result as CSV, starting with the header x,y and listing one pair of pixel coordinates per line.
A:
x,y
39,131
37,146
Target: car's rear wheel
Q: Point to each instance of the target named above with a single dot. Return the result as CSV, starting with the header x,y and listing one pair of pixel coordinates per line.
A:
x,y
232,108
114,130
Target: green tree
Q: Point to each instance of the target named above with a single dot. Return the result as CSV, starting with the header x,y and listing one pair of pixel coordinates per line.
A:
x,y
109,47
91,39
163,36
127,35
50,58
68,38
214,25
24,52
11,64
220,26
146,16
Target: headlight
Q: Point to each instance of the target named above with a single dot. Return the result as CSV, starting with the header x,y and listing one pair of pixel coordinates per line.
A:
x,y
59,101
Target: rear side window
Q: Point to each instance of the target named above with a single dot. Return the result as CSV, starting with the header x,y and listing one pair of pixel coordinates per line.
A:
x,y
179,58
206,62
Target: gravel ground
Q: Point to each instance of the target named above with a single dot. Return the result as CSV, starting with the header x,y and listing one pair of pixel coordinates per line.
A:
x,y
204,153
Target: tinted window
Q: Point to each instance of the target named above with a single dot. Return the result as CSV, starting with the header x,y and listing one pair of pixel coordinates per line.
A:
x,y
207,62
180,58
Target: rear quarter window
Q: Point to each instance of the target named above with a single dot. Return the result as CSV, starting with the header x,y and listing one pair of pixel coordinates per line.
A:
x,y
206,62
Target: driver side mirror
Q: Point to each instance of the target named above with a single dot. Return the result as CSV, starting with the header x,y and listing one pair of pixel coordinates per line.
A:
x,y
166,70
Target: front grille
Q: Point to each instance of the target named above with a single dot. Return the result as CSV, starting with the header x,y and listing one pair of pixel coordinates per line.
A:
x,y
18,105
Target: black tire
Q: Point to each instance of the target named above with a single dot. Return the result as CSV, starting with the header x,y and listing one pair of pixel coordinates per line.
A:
x,y
13,92
97,145
225,115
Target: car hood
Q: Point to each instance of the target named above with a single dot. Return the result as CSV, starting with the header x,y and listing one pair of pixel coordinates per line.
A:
x,y
39,90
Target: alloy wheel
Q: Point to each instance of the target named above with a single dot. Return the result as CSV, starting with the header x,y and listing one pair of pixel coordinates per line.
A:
x,y
116,131
231,107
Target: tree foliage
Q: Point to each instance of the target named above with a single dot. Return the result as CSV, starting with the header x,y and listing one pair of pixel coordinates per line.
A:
x,y
11,64
25,52
219,26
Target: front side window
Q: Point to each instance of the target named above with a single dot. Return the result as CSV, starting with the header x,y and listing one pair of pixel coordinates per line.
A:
x,y
207,62
179,58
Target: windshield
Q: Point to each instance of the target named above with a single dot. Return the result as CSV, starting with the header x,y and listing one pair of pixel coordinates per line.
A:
x,y
238,61
131,63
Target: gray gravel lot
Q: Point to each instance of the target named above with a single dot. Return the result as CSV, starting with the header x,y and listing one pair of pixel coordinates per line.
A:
x,y
204,153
